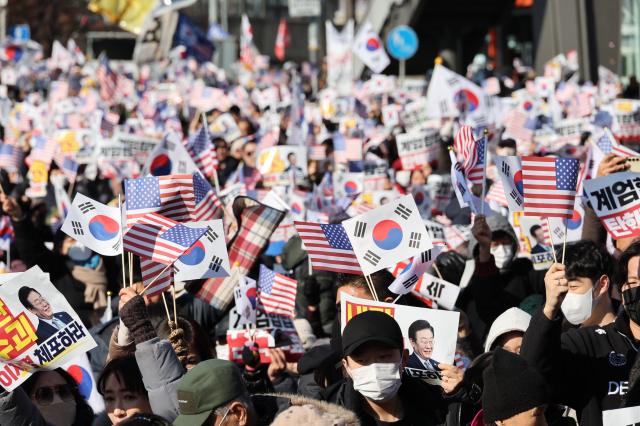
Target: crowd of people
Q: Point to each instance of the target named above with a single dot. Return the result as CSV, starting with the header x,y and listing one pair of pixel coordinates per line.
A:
x,y
546,343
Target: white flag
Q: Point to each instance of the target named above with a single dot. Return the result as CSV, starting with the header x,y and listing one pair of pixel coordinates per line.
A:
x,y
459,183
169,157
440,291
245,295
339,58
95,225
370,49
207,257
510,170
407,279
386,235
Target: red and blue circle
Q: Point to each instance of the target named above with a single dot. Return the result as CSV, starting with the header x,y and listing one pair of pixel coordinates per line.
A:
x,y
83,378
103,228
387,234
350,187
466,100
252,295
517,179
527,105
296,208
574,222
194,255
161,165
419,197
373,44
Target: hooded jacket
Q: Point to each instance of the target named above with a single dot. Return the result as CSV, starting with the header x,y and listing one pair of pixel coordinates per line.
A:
x,y
586,368
490,291
513,319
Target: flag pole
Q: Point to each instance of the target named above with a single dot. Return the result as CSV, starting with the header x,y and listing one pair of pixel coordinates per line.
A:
x,y
564,242
175,309
396,299
70,190
372,289
205,124
9,255
130,269
155,279
484,172
555,260
166,308
124,279
435,266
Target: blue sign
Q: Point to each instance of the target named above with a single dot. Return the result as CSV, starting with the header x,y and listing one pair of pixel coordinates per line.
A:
x,y
402,42
20,33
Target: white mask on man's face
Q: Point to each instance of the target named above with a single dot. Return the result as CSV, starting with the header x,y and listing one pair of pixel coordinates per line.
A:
x,y
577,307
502,254
377,381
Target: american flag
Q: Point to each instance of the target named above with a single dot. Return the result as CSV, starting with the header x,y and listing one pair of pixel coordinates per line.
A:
x,y
158,194
549,186
160,239
107,78
518,125
68,166
277,293
476,171
328,247
109,122
150,271
201,150
465,146
11,157
608,145
206,203
43,149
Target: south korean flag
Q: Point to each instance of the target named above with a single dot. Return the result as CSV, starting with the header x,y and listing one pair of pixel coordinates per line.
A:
x,y
95,225
207,257
386,235
407,279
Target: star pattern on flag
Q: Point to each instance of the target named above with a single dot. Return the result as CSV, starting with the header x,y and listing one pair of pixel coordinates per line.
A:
x,y
200,187
336,236
183,235
567,176
266,280
147,193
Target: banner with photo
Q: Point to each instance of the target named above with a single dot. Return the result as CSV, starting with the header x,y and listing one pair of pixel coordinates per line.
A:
x,y
39,329
429,334
283,165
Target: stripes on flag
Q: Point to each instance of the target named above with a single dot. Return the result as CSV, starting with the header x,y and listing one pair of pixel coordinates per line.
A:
x,y
160,239
549,186
201,150
164,195
277,293
328,247
496,194
150,270
11,157
464,145
476,170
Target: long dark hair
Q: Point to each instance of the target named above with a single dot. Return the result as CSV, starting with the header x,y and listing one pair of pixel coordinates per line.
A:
x,y
84,412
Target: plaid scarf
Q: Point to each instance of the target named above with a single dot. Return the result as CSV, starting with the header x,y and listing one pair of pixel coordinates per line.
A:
x,y
256,223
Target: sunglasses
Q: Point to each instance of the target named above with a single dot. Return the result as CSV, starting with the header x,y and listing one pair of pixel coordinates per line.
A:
x,y
44,395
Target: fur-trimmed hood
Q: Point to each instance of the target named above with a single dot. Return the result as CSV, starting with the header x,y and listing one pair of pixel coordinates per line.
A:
x,y
306,411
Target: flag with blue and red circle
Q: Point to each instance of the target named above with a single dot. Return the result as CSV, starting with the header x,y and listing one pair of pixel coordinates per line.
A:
x,y
207,257
95,225
369,48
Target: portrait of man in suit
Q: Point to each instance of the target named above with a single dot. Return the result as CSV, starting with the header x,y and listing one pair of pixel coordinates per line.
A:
x,y
541,246
421,335
49,323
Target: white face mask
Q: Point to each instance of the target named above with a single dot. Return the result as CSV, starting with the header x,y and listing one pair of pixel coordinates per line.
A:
x,y
79,252
377,381
577,307
503,255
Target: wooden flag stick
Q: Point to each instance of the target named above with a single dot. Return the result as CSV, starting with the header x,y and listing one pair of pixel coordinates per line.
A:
x,y
175,308
396,299
564,243
155,278
130,269
71,185
372,289
216,182
166,308
124,279
553,250
437,270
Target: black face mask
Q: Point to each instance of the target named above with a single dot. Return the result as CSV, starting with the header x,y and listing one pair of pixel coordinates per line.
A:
x,y
631,299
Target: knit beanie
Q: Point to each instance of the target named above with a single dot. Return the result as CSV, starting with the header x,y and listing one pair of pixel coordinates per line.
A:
x,y
511,387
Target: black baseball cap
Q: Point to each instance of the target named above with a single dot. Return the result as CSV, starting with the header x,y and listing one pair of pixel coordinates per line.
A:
x,y
371,326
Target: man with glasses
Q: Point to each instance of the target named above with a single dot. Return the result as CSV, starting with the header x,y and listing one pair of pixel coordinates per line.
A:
x,y
421,337
49,323
594,368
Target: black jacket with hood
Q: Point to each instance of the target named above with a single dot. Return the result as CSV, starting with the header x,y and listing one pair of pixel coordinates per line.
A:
x,y
586,368
491,291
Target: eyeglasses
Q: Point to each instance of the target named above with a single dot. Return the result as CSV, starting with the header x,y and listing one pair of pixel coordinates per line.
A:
x,y
44,395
